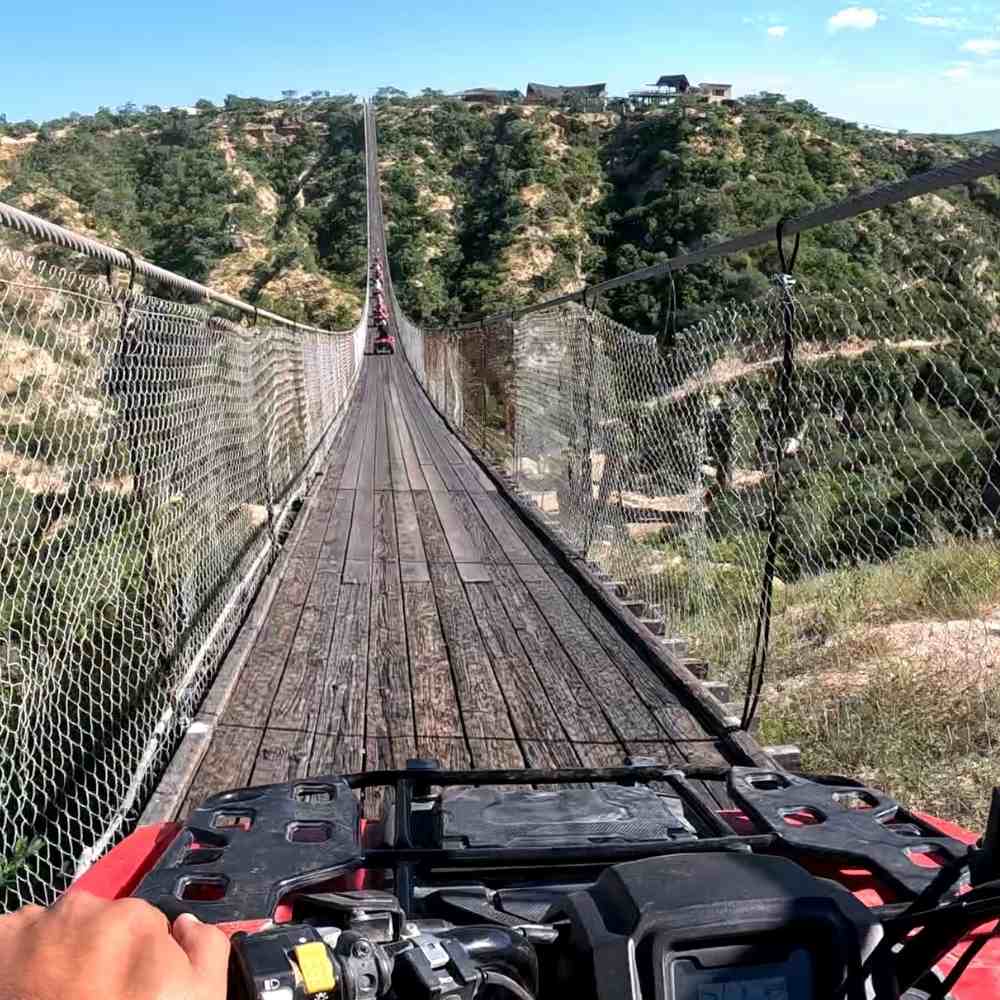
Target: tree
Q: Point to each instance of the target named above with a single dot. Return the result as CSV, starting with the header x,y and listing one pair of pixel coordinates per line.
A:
x,y
388,93
203,104
289,95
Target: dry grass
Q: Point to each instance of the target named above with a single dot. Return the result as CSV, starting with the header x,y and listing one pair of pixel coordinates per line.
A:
x,y
890,672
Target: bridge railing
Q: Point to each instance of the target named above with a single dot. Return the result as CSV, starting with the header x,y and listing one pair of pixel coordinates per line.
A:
x,y
152,458
814,473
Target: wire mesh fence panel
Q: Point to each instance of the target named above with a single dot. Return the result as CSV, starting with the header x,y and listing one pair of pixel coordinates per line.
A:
x,y
664,460
150,455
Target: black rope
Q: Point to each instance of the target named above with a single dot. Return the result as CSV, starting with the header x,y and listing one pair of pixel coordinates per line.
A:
x,y
132,267
783,399
669,334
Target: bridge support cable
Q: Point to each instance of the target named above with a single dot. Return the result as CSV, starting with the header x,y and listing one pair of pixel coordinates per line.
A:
x,y
154,454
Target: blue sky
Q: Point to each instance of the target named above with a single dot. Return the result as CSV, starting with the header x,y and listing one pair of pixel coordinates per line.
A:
x,y
916,64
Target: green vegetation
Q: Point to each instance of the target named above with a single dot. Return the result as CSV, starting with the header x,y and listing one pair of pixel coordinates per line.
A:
x,y
264,199
21,853
485,206
991,136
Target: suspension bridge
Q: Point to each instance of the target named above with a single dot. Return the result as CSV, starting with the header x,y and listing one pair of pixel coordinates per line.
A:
x,y
303,558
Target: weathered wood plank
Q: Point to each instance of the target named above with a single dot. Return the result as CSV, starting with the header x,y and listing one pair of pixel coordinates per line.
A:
x,y
462,545
411,461
343,684
382,478
435,703
484,714
334,753
601,754
390,704
453,753
356,450
432,535
338,530
474,572
397,466
531,541
431,429
227,763
283,755
359,544
433,478
530,711
629,717
574,703
531,572
357,571
296,702
677,723
384,545
414,572
509,541
503,754
409,542
469,476
550,753
477,528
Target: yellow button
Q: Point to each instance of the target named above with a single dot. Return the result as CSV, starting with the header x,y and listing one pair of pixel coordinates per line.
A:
x,y
315,966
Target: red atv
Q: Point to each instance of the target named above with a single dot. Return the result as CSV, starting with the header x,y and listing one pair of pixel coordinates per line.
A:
x,y
593,884
385,342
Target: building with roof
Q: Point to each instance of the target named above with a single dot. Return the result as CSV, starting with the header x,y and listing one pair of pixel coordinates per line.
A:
x,y
666,89
589,97
489,95
716,92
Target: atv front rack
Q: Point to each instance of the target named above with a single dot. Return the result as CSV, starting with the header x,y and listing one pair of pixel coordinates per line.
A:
x,y
242,851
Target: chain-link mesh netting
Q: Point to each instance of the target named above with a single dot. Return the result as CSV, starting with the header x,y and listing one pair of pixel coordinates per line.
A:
x,y
151,454
658,459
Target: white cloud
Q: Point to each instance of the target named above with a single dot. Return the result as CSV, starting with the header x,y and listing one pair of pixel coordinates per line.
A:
x,y
777,31
982,46
957,73
933,21
858,18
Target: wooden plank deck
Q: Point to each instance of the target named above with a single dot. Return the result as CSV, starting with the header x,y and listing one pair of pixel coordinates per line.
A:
x,y
421,615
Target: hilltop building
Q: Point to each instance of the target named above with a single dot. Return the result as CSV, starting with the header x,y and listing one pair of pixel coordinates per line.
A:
x,y
590,97
488,95
666,89
716,92
670,87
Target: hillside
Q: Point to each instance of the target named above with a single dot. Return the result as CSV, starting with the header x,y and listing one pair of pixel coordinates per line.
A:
x,y
263,200
498,206
991,136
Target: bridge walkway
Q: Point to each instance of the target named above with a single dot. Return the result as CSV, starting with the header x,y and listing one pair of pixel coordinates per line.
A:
x,y
419,614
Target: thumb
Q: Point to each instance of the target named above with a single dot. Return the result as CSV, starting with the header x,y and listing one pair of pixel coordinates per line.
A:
x,y
207,949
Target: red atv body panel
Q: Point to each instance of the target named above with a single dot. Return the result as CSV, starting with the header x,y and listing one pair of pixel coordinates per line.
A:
x,y
119,872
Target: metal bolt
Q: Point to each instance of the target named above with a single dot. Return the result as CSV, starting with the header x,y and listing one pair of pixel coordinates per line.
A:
x,y
361,949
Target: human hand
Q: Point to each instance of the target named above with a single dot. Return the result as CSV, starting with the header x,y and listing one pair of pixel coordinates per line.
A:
x,y
85,948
